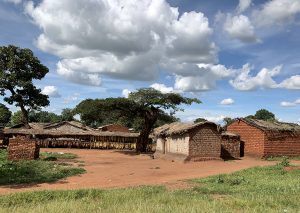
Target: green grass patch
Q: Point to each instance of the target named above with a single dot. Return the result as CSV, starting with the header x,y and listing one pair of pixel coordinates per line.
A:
x,y
33,171
58,155
260,189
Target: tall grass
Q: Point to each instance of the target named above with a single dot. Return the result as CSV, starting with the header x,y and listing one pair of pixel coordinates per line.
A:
x,y
260,189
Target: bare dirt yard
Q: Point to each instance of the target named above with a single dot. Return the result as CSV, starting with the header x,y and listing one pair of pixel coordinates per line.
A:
x,y
117,169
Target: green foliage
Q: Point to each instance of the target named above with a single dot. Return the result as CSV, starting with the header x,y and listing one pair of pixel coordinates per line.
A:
x,y
260,189
58,155
264,114
67,114
199,120
228,121
284,162
17,118
18,68
33,171
5,115
43,117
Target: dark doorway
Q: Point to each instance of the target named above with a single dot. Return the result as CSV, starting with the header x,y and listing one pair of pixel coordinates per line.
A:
x,y
242,148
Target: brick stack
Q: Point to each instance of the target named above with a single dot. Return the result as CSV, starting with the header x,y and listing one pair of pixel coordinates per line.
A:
x,y
21,148
230,146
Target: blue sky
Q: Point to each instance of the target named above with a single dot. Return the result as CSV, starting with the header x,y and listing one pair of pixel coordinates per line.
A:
x,y
235,56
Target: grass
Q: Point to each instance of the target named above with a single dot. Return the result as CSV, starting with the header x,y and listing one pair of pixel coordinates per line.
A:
x,y
33,171
260,189
58,155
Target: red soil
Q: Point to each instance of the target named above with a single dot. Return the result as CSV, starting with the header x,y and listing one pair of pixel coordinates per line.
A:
x,y
117,169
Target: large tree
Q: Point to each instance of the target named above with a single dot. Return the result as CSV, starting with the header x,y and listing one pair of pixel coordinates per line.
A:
x,y
5,115
18,68
148,105
264,114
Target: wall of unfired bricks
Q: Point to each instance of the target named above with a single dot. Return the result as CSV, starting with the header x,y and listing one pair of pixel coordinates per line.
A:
x,y
230,147
21,148
205,143
262,144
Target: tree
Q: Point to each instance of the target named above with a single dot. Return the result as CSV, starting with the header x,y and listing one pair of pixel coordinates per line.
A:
x,y
43,117
228,121
5,115
199,120
67,115
264,114
18,68
146,104
16,118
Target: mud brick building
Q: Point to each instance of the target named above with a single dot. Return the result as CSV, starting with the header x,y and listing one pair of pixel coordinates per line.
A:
x,y
22,148
231,147
188,141
263,138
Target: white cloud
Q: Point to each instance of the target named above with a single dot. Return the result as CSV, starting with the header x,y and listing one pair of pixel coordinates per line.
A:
x,y
71,98
129,39
277,12
287,104
243,5
290,104
202,77
51,91
263,79
291,83
125,92
240,28
162,88
14,1
227,101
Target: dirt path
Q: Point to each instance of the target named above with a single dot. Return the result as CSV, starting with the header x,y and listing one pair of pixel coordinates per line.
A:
x,y
112,168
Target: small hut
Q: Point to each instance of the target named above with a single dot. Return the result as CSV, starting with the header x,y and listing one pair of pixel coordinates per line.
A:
x,y
231,147
113,128
264,138
188,141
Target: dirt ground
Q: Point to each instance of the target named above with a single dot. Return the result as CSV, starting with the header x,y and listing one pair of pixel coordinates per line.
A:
x,y
117,169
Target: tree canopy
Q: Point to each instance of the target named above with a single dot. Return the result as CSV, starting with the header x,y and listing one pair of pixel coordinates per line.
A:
x,y
5,115
146,107
264,114
18,68
199,120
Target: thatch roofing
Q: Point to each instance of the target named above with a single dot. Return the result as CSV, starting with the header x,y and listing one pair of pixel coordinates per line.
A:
x,y
41,129
229,135
270,126
180,128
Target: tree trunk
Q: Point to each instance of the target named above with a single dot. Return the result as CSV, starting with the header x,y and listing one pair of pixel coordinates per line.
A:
x,y
25,119
150,118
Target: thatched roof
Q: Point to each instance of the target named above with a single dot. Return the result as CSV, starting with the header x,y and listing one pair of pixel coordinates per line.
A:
x,y
272,126
41,129
180,128
230,135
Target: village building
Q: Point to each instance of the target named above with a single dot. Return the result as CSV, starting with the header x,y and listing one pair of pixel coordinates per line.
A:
x,y
263,138
231,147
188,141
113,128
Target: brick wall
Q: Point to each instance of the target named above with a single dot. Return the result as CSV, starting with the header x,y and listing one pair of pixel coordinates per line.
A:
x,y
252,137
21,148
230,147
287,145
205,143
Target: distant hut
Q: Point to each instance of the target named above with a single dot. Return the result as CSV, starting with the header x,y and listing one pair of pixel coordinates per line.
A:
x,y
188,141
113,128
263,138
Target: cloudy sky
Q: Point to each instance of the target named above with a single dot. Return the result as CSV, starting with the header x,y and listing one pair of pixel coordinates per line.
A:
x,y
236,56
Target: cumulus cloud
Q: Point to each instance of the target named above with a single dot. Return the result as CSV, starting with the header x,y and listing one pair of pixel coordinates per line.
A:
x,y
277,12
125,92
71,98
227,101
128,39
290,104
51,91
291,83
240,28
202,77
263,79
14,1
162,88
243,5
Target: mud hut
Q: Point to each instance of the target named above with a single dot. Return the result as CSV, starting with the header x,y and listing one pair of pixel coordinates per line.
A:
x,y
188,141
264,138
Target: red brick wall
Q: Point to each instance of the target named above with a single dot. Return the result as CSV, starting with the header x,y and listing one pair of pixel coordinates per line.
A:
x,y
252,137
287,145
205,143
21,148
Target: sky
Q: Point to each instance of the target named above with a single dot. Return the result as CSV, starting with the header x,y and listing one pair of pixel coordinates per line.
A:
x,y
236,56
